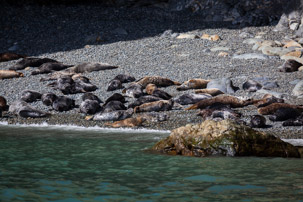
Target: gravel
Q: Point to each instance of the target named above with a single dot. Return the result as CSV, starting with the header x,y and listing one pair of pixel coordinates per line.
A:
x,y
133,39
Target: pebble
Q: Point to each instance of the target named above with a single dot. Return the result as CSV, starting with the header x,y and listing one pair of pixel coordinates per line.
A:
x,y
298,89
252,41
248,56
187,36
219,48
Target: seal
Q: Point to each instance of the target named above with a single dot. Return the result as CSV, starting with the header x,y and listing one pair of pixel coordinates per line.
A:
x,y
113,106
272,108
63,103
143,99
3,104
48,98
290,66
67,85
283,114
219,111
91,96
232,101
90,67
90,106
294,122
115,97
210,91
193,84
124,78
30,96
157,80
49,67
156,106
267,100
129,122
30,62
23,109
134,90
112,115
114,85
8,74
152,89
257,121
191,98
251,86
10,56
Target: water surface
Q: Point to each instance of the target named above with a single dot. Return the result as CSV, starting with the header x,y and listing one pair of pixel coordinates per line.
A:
x,y
39,164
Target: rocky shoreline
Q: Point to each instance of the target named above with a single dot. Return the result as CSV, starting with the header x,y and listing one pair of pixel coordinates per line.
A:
x,y
141,45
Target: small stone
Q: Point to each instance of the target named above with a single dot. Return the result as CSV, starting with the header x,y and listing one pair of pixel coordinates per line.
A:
x,y
119,31
294,26
206,50
27,68
219,48
294,82
187,36
14,48
274,51
223,54
87,46
300,41
248,56
245,35
257,46
300,69
252,41
298,89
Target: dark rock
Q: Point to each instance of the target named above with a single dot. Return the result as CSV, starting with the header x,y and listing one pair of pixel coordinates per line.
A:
x,y
224,138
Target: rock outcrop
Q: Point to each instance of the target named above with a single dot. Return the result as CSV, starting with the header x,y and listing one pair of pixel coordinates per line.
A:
x,y
226,138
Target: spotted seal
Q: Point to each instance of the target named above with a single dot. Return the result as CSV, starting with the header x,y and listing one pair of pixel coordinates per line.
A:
x,y
157,80
272,108
90,106
153,90
30,96
251,86
63,103
283,114
193,84
156,106
111,115
124,78
232,101
30,62
113,106
91,96
90,67
134,90
257,121
49,67
143,99
3,104
129,122
48,98
23,109
191,98
8,74
114,85
10,56
115,97
210,91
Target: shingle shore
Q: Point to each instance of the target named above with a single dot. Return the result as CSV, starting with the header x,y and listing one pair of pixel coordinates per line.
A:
x,y
134,40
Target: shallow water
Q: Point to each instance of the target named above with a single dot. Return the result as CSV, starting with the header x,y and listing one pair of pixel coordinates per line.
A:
x,y
38,164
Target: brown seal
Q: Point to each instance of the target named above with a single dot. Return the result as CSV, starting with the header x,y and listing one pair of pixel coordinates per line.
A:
x,y
267,100
272,108
234,102
129,122
156,106
193,84
257,121
152,89
30,62
8,74
10,56
211,91
157,80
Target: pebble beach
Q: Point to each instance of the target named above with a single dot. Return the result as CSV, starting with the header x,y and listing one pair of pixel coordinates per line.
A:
x,y
141,42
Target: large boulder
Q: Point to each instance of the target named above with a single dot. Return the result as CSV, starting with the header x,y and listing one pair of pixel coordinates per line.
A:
x,y
226,138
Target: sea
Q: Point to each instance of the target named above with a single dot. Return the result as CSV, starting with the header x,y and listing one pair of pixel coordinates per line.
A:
x,y
75,164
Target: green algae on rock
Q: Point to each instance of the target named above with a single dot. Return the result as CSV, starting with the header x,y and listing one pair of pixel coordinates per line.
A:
x,y
226,138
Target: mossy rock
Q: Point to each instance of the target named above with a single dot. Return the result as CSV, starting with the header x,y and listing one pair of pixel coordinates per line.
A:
x,y
224,138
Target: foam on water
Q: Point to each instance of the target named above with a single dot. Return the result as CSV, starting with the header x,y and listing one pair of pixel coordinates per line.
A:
x,y
81,128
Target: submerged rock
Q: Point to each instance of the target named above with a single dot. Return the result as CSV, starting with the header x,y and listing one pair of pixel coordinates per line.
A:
x,y
226,138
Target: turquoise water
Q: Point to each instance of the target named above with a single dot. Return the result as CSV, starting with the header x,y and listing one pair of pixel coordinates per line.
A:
x,y
68,165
